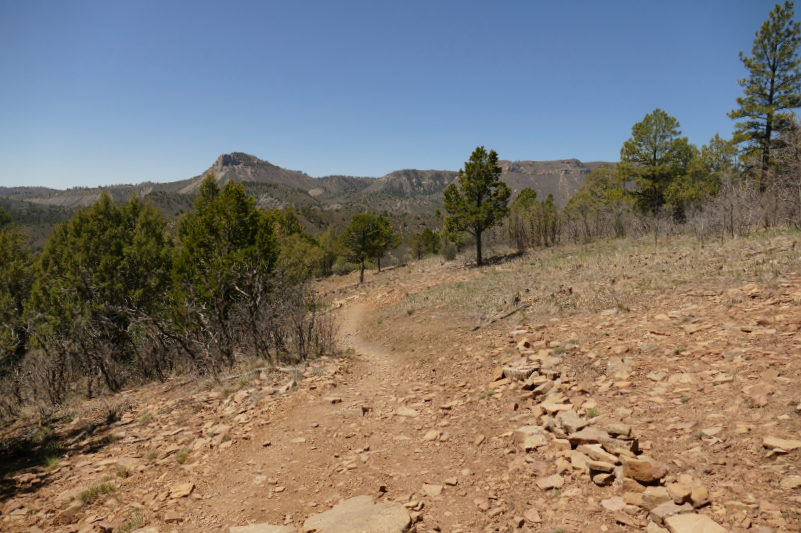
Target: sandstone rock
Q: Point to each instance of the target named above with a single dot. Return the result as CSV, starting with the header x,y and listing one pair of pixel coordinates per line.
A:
x,y
432,490
653,528
560,444
615,503
619,446
597,453
482,504
173,517
786,445
734,506
644,470
693,523
521,434
262,528
533,516
603,479
625,518
535,441
571,422
630,485
680,493
407,412
555,407
699,497
587,435
578,460
667,509
600,466
182,491
332,399
791,482
633,498
68,515
431,435
654,496
360,514
618,430
551,482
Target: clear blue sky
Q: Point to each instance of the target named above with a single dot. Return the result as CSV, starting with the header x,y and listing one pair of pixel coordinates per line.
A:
x,y
98,93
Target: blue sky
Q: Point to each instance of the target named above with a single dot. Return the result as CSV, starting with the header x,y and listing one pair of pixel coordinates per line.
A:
x,y
99,93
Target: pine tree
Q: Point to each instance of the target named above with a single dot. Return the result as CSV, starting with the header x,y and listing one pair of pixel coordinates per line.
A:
x,y
772,88
367,237
480,201
653,157
15,284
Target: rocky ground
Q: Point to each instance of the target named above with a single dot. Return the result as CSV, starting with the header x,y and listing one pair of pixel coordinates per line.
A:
x,y
679,410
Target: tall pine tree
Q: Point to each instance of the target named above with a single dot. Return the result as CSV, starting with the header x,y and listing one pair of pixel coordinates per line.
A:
x,y
480,200
772,88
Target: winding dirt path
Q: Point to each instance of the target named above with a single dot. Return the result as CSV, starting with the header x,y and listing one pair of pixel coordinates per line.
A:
x,y
322,452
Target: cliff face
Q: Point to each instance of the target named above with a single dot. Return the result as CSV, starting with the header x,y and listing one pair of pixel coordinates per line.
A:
x,y
241,167
560,178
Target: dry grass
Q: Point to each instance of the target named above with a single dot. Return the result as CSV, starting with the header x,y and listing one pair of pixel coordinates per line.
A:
x,y
618,274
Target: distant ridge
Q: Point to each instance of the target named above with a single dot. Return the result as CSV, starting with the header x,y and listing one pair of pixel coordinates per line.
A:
x,y
277,186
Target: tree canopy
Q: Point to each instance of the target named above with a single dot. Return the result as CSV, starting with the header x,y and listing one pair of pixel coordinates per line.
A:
x,y
367,237
478,200
653,157
772,87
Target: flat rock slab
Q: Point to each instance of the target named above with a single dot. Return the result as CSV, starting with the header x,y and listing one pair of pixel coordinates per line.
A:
x,y
360,515
786,445
405,411
262,528
693,523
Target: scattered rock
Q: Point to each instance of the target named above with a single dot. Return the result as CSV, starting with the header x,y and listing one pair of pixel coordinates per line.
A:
x,y
693,523
551,482
533,516
786,445
360,514
667,509
262,528
654,496
680,493
699,497
432,490
792,482
630,485
182,491
644,470
653,528
587,435
615,503
571,422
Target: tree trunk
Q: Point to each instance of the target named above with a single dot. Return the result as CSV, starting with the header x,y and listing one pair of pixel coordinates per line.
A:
x,y
478,248
765,157
361,272
379,264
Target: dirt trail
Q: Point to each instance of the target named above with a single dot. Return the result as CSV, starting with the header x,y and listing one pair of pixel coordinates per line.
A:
x,y
321,452
426,412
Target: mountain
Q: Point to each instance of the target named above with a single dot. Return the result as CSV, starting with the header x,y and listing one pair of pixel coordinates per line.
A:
x,y
560,178
241,167
320,201
411,182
